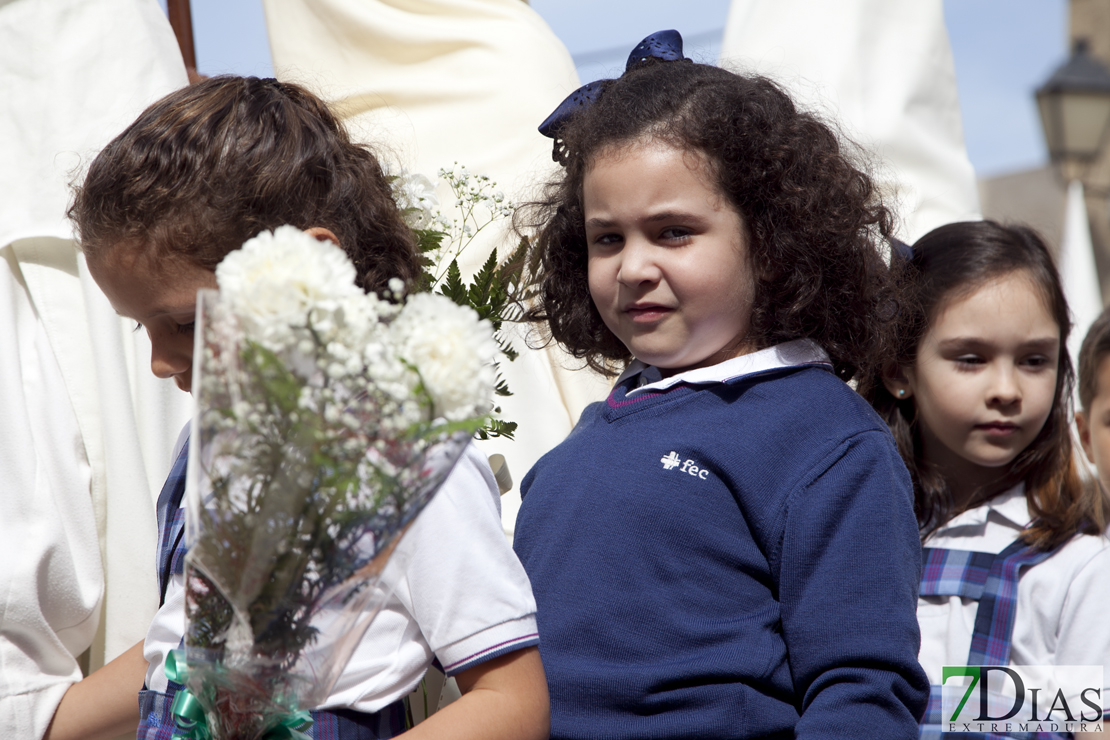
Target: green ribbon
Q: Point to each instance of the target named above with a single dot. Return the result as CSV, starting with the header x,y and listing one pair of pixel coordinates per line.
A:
x,y
192,724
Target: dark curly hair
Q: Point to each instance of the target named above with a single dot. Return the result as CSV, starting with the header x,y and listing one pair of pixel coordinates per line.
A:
x,y
950,262
213,164
814,217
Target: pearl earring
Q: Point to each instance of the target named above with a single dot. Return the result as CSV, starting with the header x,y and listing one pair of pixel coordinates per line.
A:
x,y
901,392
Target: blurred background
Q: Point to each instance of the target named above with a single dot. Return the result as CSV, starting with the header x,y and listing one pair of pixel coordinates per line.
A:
x,y
1003,50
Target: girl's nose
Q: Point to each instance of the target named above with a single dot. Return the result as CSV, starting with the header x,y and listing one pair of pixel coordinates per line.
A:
x,y
638,263
166,359
1005,388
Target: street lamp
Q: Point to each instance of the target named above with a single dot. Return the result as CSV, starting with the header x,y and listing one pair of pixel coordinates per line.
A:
x,y
1075,109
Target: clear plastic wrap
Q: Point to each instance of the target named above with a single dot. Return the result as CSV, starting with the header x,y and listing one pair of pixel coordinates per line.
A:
x,y
319,437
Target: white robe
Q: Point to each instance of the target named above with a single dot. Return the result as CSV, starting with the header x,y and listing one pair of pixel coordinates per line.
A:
x,y
86,430
883,70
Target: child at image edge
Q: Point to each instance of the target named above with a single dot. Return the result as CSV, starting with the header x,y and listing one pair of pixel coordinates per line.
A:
x,y
977,396
726,547
196,175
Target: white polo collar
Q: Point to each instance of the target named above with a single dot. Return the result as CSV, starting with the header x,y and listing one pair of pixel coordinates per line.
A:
x,y
1010,505
797,353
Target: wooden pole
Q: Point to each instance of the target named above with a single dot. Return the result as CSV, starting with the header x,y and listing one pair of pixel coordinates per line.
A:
x,y
181,20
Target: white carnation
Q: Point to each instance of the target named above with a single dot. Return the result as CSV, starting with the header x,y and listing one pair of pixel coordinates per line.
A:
x,y
275,280
452,349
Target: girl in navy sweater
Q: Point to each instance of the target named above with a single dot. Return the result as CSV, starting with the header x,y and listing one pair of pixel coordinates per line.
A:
x,y
726,547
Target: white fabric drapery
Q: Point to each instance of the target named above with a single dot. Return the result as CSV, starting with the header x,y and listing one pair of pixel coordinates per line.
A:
x,y
86,430
1078,272
883,70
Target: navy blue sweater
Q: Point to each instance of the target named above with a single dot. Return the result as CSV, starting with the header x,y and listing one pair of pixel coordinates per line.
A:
x,y
736,560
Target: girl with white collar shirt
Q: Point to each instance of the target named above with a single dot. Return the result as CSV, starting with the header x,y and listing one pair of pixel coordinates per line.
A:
x,y
1015,557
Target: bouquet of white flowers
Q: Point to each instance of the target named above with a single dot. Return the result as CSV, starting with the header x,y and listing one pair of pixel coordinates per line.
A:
x,y
327,419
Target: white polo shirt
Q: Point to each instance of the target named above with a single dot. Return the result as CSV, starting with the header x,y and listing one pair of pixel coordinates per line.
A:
x,y
1063,603
456,591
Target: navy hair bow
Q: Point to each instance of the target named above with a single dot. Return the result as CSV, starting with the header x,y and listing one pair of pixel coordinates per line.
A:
x,y
663,45
901,249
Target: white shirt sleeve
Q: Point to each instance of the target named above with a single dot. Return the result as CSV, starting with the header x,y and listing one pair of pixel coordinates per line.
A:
x,y
458,593
1062,609
1083,638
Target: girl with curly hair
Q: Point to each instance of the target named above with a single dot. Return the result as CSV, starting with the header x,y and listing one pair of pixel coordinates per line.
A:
x,y
726,547
197,174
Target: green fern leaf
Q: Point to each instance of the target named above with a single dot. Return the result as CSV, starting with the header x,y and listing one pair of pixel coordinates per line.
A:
x,y
429,240
453,286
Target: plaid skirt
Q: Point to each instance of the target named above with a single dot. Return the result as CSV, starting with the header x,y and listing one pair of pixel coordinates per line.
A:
x,y
157,722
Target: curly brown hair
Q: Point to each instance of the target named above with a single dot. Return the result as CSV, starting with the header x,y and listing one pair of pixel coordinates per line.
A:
x,y
213,164
950,262
815,218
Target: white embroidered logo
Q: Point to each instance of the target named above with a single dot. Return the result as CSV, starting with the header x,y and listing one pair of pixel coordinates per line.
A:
x,y
671,461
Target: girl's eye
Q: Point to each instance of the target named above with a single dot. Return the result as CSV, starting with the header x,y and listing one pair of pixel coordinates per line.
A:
x,y
186,328
1035,361
675,233
607,239
969,360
